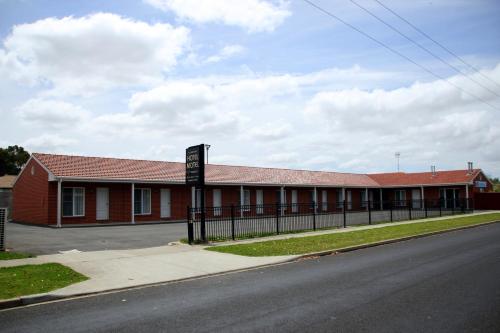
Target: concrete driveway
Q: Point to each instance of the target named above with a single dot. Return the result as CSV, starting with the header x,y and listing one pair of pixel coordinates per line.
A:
x,y
42,240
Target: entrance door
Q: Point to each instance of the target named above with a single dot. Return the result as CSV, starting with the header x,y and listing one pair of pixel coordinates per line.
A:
x,y
165,202
416,198
102,204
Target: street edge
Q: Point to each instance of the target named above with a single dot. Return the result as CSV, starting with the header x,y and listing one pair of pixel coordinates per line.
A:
x,y
45,298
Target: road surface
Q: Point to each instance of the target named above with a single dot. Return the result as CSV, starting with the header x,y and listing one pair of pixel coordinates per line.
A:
x,y
444,283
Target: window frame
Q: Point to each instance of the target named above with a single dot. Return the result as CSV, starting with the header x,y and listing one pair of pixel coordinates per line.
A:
x,y
73,188
324,200
143,189
400,202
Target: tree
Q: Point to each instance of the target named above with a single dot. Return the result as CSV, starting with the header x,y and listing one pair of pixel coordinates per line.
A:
x,y
12,159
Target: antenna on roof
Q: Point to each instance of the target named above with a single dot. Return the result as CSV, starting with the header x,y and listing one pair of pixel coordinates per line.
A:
x,y
397,154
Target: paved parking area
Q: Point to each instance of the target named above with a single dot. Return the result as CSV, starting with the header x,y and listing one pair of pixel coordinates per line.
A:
x,y
42,240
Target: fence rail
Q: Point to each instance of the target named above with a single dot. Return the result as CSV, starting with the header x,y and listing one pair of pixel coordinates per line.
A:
x,y
249,221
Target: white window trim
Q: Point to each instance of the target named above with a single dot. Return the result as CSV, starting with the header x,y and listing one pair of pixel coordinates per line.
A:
x,y
73,194
246,206
142,189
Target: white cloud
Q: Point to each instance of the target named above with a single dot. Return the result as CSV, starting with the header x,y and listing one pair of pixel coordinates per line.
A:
x,y
271,131
428,122
48,143
85,54
227,52
51,113
251,15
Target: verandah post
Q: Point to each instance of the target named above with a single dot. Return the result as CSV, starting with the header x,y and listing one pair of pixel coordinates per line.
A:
x,y
232,222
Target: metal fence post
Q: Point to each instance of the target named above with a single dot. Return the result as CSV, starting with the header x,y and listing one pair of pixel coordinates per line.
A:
x,y
390,207
3,220
190,226
343,209
409,208
314,216
278,219
425,207
232,222
369,213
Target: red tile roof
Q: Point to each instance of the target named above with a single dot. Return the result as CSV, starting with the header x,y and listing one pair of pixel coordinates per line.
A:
x,y
99,168
125,169
425,178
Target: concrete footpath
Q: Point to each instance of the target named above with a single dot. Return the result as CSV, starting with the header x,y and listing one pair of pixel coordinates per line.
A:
x,y
117,269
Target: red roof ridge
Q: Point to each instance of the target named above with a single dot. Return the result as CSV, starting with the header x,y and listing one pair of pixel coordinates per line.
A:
x,y
106,158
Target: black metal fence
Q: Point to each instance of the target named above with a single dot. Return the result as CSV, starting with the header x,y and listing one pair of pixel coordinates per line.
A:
x,y
3,220
249,221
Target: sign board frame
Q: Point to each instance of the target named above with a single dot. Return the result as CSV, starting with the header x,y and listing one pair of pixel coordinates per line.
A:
x,y
195,166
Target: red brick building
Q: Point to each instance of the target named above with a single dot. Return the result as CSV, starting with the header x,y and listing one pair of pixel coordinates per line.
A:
x,y
61,190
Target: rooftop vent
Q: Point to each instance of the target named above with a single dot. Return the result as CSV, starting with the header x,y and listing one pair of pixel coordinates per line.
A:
x,y
433,170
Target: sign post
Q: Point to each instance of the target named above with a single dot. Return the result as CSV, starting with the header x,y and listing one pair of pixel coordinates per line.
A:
x,y
195,176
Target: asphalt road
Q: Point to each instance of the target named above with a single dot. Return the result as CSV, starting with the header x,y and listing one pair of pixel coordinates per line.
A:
x,y
444,283
43,240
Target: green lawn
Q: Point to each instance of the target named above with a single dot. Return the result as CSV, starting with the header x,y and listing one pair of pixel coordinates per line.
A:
x,y
335,241
34,279
14,255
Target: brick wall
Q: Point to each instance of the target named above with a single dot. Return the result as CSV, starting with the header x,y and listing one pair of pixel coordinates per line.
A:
x,y
30,195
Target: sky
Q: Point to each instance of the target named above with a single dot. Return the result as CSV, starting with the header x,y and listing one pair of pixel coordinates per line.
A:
x,y
265,83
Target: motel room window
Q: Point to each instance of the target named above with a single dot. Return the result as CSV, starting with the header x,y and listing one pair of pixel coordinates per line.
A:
x,y
246,199
73,201
363,198
340,199
324,200
400,198
142,201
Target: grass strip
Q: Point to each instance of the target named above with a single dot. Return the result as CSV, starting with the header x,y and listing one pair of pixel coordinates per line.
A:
x,y
34,279
308,244
14,255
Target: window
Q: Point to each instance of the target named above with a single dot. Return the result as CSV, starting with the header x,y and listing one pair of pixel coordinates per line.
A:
x,y
340,198
246,200
400,198
363,198
324,200
295,207
280,200
142,201
73,201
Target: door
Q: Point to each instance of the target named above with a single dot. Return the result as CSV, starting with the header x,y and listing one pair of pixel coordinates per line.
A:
x,y
217,202
165,209
102,204
259,200
416,198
